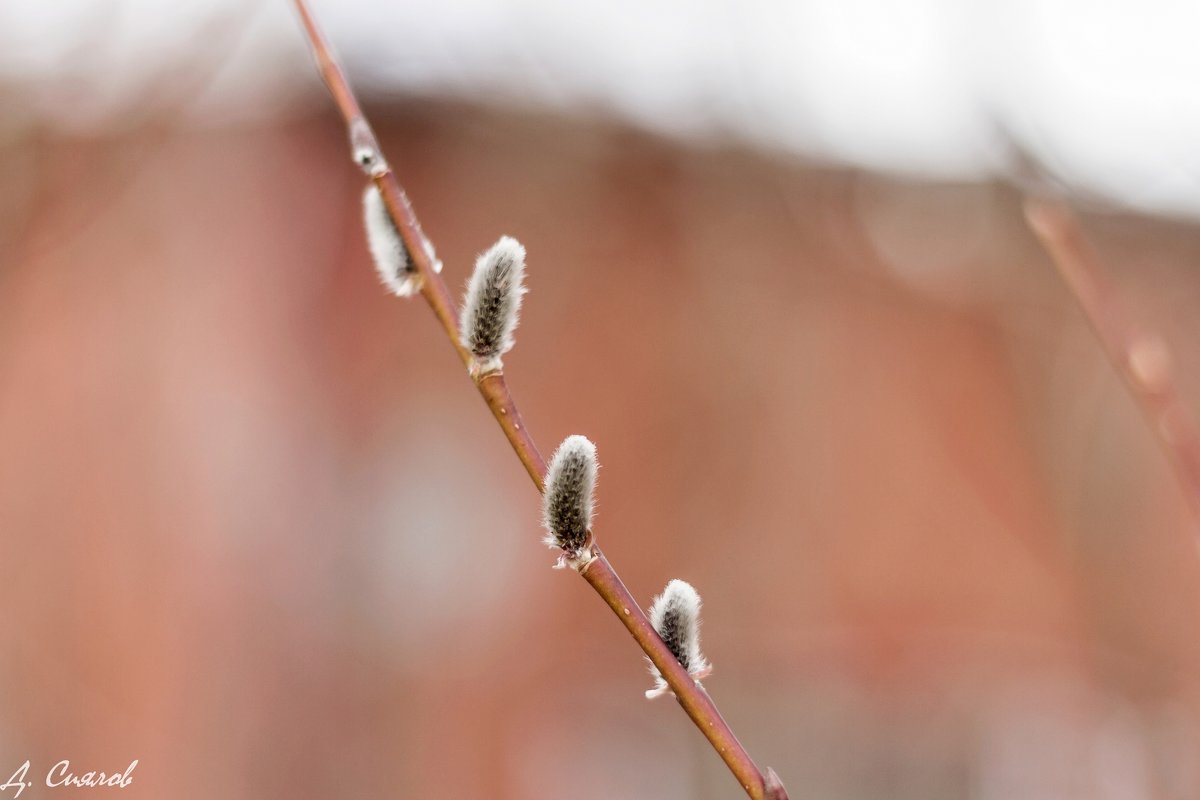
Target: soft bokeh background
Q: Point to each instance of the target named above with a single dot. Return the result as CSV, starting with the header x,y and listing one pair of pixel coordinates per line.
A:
x,y
260,533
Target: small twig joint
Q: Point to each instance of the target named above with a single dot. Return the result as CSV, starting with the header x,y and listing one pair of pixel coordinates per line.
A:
x,y
1141,357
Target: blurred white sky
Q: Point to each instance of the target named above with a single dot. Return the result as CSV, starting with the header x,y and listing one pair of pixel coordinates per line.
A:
x,y
1103,93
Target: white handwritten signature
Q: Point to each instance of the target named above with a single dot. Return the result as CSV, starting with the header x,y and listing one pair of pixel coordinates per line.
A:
x,y
60,775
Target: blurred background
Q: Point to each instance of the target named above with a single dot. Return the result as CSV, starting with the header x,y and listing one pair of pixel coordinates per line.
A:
x,y
260,534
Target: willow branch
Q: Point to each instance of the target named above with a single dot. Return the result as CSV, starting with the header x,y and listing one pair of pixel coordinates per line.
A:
x,y
492,386
692,697
368,155
1140,356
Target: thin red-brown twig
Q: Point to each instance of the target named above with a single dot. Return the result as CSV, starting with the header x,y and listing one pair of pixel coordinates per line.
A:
x,y
694,700
494,390
367,154
1139,355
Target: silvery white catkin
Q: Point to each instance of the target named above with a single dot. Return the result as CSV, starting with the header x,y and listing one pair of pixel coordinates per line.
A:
x,y
675,614
392,262
493,303
568,501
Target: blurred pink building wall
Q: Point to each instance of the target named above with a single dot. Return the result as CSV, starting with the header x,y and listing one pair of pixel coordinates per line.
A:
x,y
261,535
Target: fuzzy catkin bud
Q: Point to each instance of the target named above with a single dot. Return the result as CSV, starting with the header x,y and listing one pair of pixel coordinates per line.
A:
x,y
392,261
489,313
675,614
568,501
